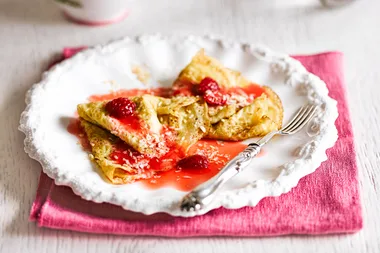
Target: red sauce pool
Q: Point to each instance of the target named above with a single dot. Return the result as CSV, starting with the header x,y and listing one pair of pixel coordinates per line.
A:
x,y
252,89
76,129
132,122
124,154
218,152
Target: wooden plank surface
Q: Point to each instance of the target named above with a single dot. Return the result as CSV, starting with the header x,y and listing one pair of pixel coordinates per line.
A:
x,y
31,32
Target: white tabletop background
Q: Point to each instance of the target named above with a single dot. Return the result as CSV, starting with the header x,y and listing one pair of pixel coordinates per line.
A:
x,y
32,31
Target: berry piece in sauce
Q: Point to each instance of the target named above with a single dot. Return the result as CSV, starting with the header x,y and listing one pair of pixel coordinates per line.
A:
x,y
193,162
214,98
120,108
208,84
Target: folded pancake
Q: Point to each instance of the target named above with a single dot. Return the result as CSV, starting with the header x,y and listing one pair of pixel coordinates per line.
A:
x,y
202,66
104,148
141,132
187,116
260,117
161,123
250,110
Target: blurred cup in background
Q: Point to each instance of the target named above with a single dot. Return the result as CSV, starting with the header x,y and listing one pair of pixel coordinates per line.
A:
x,y
336,3
95,12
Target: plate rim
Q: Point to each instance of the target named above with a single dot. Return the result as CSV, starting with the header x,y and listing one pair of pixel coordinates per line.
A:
x,y
295,74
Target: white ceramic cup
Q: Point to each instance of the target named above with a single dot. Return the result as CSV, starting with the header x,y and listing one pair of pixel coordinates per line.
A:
x,y
95,12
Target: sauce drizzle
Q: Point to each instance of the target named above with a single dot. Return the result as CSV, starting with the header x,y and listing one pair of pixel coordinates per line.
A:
x,y
218,153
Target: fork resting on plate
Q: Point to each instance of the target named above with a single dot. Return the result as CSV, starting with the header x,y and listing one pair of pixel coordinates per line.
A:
x,y
205,193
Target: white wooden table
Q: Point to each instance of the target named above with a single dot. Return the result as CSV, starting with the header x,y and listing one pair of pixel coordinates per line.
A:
x,y
32,31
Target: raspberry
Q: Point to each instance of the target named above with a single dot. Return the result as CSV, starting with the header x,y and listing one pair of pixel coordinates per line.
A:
x,y
120,108
214,98
208,84
193,162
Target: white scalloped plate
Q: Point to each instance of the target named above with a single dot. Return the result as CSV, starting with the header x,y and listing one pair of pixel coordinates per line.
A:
x,y
52,101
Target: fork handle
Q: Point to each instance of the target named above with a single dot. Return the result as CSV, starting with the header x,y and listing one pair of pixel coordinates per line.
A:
x,y
204,194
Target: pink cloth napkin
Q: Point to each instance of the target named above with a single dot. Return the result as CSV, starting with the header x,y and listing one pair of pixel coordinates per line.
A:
x,y
324,202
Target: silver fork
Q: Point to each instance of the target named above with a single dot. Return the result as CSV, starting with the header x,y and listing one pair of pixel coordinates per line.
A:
x,y
204,194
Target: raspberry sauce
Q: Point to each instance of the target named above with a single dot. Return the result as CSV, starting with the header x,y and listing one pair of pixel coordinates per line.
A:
x,y
76,129
167,173
218,154
252,89
123,154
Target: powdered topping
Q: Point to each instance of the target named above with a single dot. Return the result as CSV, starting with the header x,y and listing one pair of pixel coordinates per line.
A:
x,y
243,96
123,154
214,98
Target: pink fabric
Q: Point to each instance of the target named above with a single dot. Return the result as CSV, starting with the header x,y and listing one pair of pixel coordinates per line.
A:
x,y
324,202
